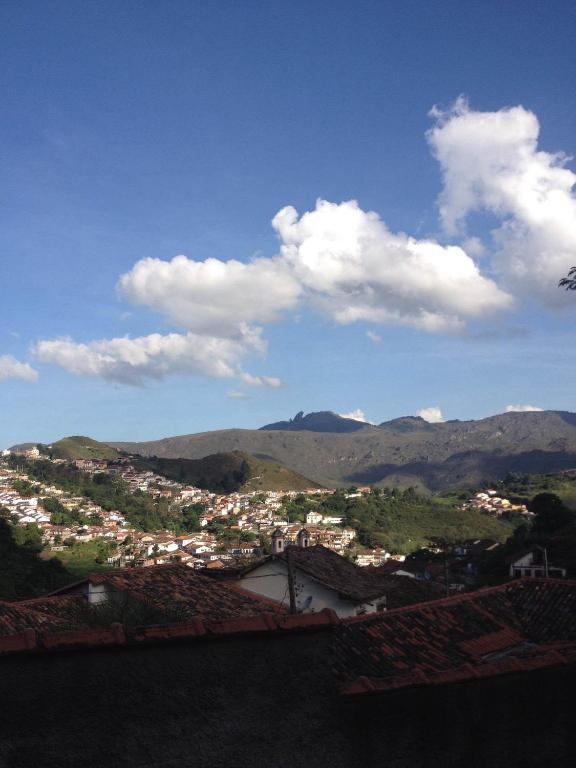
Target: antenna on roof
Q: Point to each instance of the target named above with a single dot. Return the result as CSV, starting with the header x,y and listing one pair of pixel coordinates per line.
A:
x,y
291,590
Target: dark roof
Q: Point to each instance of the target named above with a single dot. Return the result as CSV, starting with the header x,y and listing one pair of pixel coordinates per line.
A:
x,y
356,583
191,592
461,637
41,614
525,625
195,593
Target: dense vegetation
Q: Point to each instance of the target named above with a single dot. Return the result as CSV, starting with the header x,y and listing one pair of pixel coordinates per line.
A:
x,y
105,490
219,473
22,573
553,529
521,488
402,521
59,515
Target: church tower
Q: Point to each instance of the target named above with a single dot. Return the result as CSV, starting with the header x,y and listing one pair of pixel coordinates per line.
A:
x,y
303,538
278,542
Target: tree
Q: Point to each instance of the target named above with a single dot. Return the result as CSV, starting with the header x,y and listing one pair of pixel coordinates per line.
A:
x,y
551,514
569,282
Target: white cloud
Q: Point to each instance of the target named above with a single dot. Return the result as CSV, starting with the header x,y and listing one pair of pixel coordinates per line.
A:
x,y
235,394
337,258
132,361
522,408
353,268
212,296
374,337
10,368
259,381
491,162
357,415
346,263
433,414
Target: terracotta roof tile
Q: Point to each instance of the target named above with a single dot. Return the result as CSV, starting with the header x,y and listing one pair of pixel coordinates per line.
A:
x,y
177,589
191,592
42,614
459,637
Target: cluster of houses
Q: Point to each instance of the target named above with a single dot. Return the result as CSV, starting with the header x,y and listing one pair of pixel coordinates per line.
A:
x,y
232,527
489,503
244,517
22,510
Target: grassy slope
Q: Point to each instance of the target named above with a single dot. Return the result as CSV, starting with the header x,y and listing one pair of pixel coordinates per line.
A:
x,y
406,525
266,475
227,472
80,559
80,447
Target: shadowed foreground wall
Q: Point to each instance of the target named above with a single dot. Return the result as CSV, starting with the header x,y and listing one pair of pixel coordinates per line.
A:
x,y
525,720
231,702
269,701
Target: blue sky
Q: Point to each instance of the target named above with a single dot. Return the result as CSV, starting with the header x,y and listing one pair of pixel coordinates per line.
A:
x,y
135,132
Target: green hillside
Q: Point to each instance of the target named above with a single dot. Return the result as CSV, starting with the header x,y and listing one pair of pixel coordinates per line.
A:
x,y
229,472
266,475
403,521
80,447
522,487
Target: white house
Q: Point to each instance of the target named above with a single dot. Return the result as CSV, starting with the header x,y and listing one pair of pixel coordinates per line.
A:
x,y
322,579
535,564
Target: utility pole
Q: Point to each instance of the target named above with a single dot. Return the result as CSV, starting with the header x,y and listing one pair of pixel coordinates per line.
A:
x,y
545,562
291,589
446,576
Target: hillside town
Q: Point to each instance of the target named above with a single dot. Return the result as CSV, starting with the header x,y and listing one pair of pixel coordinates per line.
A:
x,y
243,520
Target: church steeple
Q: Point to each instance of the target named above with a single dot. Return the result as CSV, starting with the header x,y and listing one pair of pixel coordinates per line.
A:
x,y
278,541
303,538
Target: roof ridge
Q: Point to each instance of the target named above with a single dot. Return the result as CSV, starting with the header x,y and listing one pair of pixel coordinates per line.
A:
x,y
34,640
462,597
551,657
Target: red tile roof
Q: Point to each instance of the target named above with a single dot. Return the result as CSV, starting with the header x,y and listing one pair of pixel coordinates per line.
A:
x,y
41,614
524,625
189,591
78,639
459,637
175,589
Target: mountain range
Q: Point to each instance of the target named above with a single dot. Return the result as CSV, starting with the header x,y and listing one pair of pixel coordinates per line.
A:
x,y
332,450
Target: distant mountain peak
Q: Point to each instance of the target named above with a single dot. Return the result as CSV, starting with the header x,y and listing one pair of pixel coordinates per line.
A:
x,y
407,424
403,452
319,421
